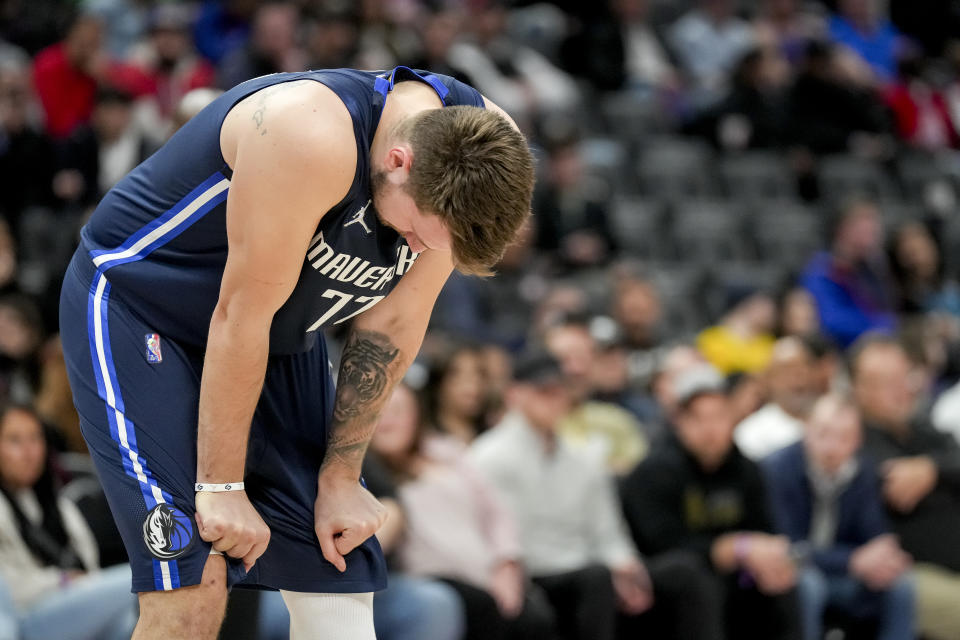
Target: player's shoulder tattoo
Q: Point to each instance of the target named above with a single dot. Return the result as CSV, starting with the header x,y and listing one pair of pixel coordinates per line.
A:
x,y
260,112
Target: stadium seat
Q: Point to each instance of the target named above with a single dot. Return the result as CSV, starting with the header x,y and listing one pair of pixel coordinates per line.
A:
x,y
840,176
674,168
710,230
755,175
631,119
917,170
639,227
786,232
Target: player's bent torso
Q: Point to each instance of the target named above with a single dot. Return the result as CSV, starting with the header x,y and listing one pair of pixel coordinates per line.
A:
x,y
160,234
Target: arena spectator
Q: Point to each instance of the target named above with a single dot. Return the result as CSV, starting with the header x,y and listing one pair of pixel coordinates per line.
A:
x,y
920,469
273,47
457,528
676,361
851,283
48,557
572,536
125,23
190,105
825,497
608,432
572,210
697,492
457,393
639,312
924,286
67,74
798,314
21,334
516,77
646,62
168,57
788,25
743,340
614,384
753,114
97,155
496,310
8,259
27,157
332,38
223,27
747,393
792,388
834,107
860,25
829,372
438,32
708,40
920,108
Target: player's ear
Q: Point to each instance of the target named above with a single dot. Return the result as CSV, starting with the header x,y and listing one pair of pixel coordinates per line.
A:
x,y
400,158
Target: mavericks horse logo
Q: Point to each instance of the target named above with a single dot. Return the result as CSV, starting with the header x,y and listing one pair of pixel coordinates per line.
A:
x,y
167,532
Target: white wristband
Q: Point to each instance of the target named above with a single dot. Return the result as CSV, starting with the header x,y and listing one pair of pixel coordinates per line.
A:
x,y
218,488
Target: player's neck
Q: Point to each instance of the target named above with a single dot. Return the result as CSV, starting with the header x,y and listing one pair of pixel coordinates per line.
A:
x,y
404,100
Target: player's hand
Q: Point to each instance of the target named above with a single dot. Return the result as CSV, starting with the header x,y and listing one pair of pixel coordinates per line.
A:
x,y
229,521
345,516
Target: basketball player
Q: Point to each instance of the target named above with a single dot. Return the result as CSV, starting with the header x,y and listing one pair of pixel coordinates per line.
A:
x,y
191,313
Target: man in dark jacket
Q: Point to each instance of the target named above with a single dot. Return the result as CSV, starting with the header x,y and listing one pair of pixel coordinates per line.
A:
x,y
825,498
921,477
697,492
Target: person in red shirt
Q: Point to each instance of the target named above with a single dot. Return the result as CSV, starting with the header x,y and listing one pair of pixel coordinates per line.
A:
x,y
66,76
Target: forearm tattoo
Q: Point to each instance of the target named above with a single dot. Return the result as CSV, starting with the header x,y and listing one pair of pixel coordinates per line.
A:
x,y
366,375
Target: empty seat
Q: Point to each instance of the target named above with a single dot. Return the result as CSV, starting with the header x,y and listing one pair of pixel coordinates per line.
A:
x,y
630,118
918,170
638,225
841,176
675,168
787,233
606,158
757,175
710,230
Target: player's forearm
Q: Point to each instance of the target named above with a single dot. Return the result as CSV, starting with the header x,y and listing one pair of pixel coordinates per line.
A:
x,y
233,372
370,366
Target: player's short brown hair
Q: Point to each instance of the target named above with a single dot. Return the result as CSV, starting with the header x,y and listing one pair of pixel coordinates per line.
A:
x,y
473,169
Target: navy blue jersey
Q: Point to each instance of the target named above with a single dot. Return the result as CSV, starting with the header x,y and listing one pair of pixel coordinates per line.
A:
x,y
161,231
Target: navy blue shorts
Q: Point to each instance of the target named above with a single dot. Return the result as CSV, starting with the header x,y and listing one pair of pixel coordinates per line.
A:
x,y
137,393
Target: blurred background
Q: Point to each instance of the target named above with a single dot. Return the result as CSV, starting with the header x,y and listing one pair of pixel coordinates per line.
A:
x,y
717,372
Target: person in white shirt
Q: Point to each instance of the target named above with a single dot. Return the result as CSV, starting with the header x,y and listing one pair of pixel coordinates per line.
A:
x,y
574,541
48,557
792,385
709,40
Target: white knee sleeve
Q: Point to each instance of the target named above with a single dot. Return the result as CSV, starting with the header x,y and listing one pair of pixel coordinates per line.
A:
x,y
330,616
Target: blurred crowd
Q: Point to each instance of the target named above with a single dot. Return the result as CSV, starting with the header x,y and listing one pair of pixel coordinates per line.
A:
x,y
714,388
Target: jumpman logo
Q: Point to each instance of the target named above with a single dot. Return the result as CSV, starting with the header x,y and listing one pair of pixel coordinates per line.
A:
x,y
358,218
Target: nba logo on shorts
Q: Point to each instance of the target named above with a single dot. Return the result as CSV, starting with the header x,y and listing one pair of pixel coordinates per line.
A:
x,y
153,349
